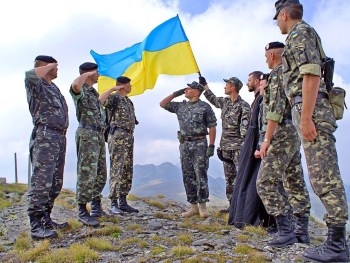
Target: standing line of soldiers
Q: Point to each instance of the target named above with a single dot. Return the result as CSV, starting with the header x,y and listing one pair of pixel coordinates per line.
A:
x,y
48,145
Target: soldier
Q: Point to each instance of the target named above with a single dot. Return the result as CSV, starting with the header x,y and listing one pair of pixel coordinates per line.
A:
x,y
195,118
281,160
314,120
120,144
47,145
235,119
91,151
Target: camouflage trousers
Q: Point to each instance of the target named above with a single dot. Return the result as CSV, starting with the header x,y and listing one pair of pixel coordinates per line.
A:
x,y
322,163
194,165
91,165
121,151
230,170
47,153
282,166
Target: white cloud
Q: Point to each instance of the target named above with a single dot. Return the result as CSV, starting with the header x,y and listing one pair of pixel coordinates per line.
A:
x,y
228,39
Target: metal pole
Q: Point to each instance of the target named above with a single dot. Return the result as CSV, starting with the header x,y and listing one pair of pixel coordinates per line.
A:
x,y
29,168
16,175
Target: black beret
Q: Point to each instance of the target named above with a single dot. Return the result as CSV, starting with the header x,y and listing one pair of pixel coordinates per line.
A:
x,y
123,80
47,59
280,4
196,85
274,45
88,66
264,76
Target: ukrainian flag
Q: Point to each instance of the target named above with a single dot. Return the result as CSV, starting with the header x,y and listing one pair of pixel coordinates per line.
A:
x,y
166,50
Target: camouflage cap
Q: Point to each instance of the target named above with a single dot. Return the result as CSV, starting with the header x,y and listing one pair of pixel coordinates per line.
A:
x,y
235,81
196,85
280,4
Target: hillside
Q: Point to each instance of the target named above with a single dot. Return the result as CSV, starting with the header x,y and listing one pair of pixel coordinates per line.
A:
x,y
156,234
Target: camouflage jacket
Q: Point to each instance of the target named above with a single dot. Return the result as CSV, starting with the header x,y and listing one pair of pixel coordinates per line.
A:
x,y
88,107
194,117
46,102
276,105
301,56
234,117
124,115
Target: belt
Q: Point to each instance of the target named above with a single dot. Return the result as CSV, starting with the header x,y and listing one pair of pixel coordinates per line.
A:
x,y
46,128
287,121
193,138
299,99
91,127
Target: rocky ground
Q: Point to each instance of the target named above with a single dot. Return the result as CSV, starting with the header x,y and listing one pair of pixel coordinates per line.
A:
x,y
156,234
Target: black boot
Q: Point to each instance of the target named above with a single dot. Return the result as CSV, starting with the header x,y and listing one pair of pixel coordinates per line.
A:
x,y
335,249
285,235
85,218
115,210
123,205
38,231
96,208
301,229
49,224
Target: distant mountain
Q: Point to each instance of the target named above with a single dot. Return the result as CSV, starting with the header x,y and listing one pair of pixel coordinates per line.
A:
x,y
166,179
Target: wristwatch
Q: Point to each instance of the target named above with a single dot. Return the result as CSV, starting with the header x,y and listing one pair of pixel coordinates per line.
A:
x,y
266,140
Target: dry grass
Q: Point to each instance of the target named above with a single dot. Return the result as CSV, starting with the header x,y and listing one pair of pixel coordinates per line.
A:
x,y
76,253
182,251
155,203
260,231
99,244
132,197
162,215
134,227
19,189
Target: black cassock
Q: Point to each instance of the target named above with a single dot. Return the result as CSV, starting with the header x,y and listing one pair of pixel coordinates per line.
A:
x,y
246,206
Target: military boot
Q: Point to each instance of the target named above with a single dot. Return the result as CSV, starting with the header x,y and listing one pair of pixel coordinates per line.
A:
x,y
123,205
194,210
335,249
85,218
96,208
285,235
50,224
38,231
301,229
115,210
203,210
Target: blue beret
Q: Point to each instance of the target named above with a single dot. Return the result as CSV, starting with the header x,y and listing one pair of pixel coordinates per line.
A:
x,y
88,66
274,45
280,4
47,59
196,85
123,80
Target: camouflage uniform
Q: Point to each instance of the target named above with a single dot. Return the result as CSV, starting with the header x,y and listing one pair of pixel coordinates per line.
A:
x,y
91,151
121,145
47,143
235,120
194,120
283,159
300,56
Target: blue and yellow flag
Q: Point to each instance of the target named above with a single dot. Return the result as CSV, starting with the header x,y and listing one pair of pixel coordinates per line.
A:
x,y
166,50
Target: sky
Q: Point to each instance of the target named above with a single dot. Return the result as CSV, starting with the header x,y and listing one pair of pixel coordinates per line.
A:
x,y
227,38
